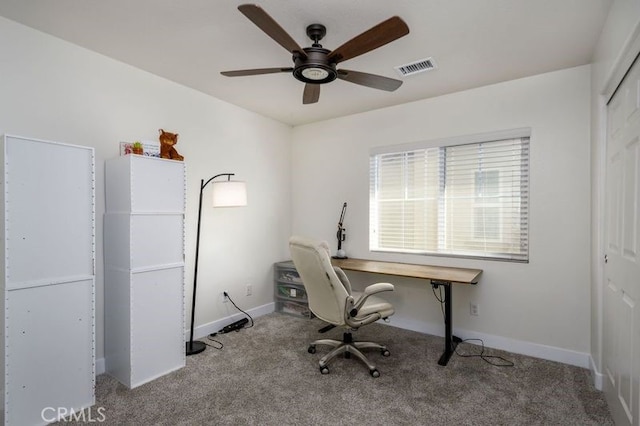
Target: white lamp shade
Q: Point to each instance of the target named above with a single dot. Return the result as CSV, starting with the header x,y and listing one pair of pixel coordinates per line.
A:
x,y
229,194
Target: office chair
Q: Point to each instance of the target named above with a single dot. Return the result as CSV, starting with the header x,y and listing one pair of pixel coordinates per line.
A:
x,y
331,299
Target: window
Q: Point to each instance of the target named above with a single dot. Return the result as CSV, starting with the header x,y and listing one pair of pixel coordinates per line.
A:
x,y
458,199
486,210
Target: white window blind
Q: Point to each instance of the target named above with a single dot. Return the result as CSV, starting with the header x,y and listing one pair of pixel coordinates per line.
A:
x,y
470,199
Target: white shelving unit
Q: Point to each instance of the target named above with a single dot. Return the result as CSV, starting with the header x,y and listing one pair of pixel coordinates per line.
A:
x,y
48,280
144,268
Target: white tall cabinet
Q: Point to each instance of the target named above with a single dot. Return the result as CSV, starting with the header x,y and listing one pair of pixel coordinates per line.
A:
x,y
48,280
144,268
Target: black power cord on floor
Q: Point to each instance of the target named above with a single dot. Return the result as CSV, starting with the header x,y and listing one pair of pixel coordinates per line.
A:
x,y
220,345
236,306
502,362
227,329
486,358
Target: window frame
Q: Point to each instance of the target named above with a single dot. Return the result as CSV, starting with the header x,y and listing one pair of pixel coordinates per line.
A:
x,y
524,216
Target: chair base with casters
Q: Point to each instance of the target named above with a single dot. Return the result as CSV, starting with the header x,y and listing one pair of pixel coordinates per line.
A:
x,y
347,347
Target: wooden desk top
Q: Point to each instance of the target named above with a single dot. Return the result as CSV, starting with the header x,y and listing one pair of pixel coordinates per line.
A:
x,y
438,273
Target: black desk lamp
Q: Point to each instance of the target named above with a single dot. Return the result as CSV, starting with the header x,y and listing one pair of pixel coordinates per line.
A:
x,y
225,194
341,254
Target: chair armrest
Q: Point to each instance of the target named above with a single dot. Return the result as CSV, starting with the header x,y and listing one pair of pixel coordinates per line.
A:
x,y
378,288
368,291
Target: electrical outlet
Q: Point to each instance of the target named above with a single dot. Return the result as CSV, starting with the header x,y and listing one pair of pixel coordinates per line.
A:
x,y
249,289
474,309
225,299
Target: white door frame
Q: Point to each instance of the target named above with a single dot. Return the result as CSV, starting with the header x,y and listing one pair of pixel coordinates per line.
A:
x,y
622,64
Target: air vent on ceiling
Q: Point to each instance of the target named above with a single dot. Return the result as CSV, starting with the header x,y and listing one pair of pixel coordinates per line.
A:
x,y
416,67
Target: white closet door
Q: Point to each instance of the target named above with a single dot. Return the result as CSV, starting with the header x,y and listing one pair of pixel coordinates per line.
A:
x,y
621,325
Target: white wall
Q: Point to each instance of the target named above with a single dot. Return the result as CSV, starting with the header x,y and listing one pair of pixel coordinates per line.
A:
x,y
617,46
52,90
540,308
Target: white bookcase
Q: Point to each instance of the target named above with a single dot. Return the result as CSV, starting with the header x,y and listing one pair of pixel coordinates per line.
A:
x,y
144,268
48,280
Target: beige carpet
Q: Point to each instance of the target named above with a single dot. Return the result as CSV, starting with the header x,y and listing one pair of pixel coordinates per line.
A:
x,y
265,376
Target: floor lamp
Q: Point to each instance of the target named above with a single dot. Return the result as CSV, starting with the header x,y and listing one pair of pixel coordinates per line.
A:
x,y
225,194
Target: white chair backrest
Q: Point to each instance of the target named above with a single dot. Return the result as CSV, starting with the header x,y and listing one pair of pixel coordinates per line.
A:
x,y
325,292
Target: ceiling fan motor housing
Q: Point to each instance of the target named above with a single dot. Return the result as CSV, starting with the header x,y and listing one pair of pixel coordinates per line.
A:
x,y
315,68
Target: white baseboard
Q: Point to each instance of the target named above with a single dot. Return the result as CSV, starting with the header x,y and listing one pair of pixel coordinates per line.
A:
x,y
551,353
217,325
598,377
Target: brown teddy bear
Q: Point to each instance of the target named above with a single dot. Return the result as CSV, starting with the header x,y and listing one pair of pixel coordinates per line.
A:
x,y
167,149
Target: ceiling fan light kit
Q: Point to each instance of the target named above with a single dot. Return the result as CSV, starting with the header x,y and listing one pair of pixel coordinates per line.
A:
x,y
316,65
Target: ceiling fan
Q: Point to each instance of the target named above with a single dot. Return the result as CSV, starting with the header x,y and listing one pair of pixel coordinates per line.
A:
x,y
316,65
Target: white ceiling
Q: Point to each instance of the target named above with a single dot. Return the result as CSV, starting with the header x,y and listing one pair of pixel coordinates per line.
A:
x,y
473,42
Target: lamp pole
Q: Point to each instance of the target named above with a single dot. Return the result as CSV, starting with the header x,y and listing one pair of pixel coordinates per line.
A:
x,y
197,347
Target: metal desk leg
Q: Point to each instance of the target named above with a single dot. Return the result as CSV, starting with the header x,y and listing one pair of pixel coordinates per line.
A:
x,y
450,341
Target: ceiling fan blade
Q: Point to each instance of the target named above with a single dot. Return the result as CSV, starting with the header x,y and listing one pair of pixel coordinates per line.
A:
x,y
311,93
369,80
257,71
377,36
267,24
